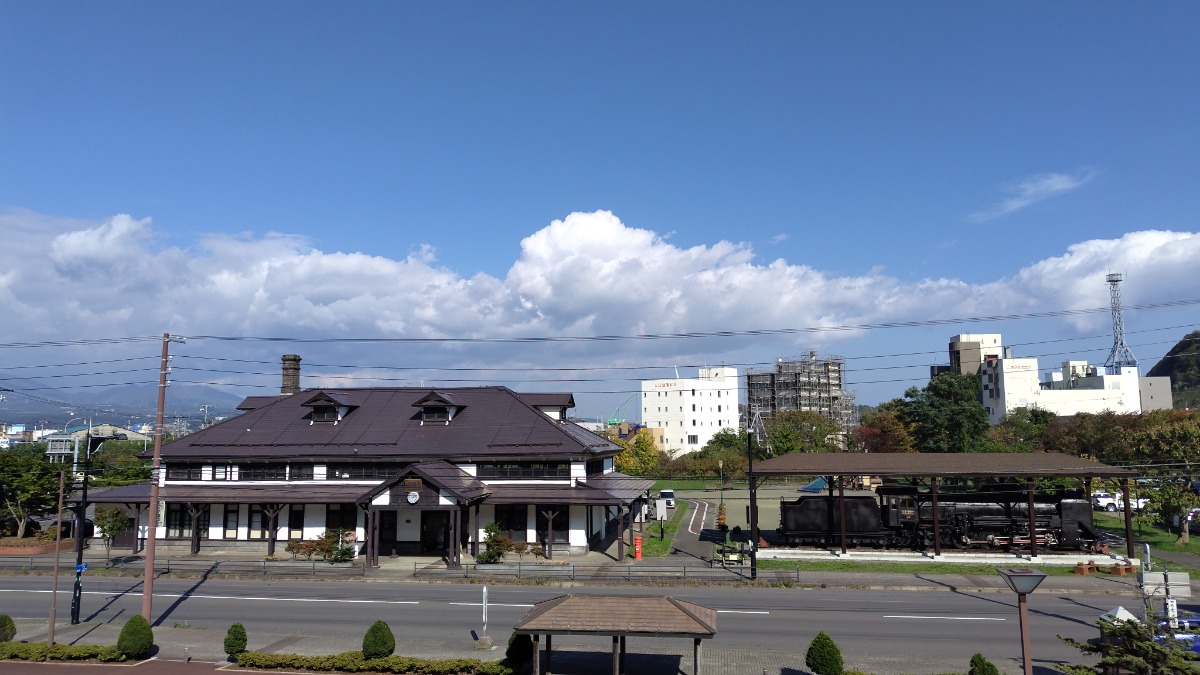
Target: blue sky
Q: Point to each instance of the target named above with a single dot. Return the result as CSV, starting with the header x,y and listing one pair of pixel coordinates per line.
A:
x,y
311,169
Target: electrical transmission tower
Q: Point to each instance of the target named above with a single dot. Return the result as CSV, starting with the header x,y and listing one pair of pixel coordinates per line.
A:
x,y
1120,356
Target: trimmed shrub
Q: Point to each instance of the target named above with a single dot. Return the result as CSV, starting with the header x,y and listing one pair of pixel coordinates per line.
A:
x,y
379,641
981,666
824,657
8,629
235,640
136,638
520,649
37,651
353,662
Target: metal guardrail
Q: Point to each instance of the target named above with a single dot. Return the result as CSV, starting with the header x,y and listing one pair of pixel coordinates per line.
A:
x,y
574,572
168,565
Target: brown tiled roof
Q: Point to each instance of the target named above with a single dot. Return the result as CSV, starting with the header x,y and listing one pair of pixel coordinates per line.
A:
x,y
548,398
1028,464
255,402
210,492
631,615
524,493
492,423
625,488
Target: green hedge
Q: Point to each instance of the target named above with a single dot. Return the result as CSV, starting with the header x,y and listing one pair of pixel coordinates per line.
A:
x,y
37,651
353,662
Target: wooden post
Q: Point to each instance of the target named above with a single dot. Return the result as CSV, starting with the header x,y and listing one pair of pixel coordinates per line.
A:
x,y
137,523
537,654
937,529
620,535
841,513
1032,520
549,655
1128,519
475,534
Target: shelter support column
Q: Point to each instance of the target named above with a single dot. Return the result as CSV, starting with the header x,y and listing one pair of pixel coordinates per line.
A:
x,y
452,542
475,534
549,655
1128,519
537,654
1032,521
937,525
137,525
841,515
622,653
616,659
620,534
370,558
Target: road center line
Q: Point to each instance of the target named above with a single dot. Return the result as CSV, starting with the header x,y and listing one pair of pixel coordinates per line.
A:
x,y
490,604
944,618
224,597
739,611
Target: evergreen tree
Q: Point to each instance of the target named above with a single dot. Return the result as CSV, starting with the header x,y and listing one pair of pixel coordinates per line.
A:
x,y
823,656
379,642
235,640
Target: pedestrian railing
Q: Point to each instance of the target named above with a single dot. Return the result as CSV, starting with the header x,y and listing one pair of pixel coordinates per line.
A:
x,y
579,572
316,568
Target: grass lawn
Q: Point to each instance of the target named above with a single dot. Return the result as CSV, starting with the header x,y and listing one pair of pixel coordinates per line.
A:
x,y
683,484
652,546
898,567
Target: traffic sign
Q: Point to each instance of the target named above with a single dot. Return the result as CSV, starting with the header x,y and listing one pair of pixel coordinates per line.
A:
x,y
82,567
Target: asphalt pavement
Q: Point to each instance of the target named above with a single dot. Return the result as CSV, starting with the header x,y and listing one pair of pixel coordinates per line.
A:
x,y
189,650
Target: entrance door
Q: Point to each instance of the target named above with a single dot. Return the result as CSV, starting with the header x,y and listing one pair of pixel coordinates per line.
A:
x,y
435,532
387,533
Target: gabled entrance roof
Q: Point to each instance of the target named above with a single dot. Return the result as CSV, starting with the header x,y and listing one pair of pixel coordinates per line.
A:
x,y
441,475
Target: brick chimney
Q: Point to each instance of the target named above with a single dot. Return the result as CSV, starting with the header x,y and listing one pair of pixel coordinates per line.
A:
x,y
291,375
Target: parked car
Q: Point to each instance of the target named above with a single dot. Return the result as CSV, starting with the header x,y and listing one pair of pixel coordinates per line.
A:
x,y
668,495
1111,501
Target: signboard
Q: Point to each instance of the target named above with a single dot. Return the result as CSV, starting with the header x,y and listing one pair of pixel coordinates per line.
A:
x,y
1155,584
660,509
80,568
412,485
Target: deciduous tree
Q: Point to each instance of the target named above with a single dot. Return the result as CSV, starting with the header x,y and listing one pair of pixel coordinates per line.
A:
x,y
883,431
945,415
801,431
28,486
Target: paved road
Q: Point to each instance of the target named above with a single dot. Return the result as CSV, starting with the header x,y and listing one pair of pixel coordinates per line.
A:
x,y
918,626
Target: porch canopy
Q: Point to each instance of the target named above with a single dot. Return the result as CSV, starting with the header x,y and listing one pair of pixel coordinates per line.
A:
x,y
428,486
618,616
934,466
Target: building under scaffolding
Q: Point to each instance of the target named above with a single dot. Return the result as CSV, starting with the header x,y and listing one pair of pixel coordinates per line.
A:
x,y
808,383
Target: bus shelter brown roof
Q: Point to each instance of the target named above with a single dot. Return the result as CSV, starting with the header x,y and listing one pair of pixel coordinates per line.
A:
x,y
618,616
939,465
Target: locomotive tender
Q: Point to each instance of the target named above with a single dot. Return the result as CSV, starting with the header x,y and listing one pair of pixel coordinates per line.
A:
x,y
902,517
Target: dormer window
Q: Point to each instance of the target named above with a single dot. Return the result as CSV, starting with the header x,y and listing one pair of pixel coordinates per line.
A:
x,y
435,413
328,407
438,408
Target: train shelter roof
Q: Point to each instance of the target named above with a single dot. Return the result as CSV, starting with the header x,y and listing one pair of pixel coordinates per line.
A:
x,y
938,465
619,615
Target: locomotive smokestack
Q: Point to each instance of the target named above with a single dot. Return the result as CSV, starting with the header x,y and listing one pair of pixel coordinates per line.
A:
x,y
291,375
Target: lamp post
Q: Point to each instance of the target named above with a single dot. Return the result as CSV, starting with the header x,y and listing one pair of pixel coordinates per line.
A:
x,y
93,443
1023,581
721,469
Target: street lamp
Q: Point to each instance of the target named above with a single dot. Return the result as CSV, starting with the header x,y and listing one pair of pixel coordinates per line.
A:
x,y
93,444
1023,581
721,469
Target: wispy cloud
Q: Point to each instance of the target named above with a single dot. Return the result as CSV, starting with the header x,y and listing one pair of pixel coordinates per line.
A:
x,y
1034,189
779,238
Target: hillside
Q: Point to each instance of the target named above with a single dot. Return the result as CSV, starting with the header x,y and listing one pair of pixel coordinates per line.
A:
x,y
1182,365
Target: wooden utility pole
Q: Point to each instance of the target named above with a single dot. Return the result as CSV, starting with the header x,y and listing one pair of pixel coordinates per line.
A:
x,y
152,529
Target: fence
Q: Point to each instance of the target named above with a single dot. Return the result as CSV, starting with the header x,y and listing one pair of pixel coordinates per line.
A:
x,y
604,573
314,568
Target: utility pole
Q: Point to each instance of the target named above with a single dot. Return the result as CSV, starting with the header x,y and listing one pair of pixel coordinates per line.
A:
x,y
152,529
57,552
753,507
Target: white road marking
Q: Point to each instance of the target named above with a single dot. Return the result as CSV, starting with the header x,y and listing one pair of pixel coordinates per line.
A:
x,y
230,597
490,604
696,509
945,618
738,611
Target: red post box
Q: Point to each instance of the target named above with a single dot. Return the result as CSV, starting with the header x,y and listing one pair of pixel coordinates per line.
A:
x,y
637,548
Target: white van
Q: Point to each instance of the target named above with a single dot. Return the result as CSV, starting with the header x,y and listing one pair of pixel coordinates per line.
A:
x,y
668,495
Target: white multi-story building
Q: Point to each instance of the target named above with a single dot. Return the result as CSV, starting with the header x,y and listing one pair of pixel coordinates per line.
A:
x,y
690,411
1008,383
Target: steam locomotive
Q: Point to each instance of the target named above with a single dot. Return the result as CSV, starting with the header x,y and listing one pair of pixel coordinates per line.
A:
x,y
902,517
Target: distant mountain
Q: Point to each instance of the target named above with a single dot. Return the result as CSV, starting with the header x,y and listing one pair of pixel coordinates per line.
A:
x,y
126,404
1182,365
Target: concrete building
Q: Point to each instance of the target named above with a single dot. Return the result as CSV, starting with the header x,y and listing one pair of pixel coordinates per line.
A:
x,y
809,382
689,411
1008,383
969,351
